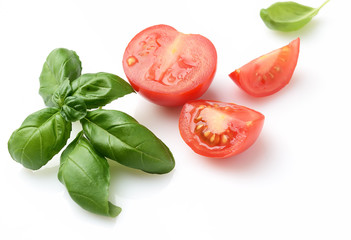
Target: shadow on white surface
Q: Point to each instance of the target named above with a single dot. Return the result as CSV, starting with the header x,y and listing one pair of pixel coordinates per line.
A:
x,y
309,30
149,114
135,184
45,177
251,159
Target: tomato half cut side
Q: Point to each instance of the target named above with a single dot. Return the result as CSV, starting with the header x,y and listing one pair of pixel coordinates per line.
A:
x,y
169,67
217,129
269,73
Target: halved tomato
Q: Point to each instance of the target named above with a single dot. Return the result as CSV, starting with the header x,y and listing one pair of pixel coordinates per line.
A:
x,y
168,67
218,129
269,73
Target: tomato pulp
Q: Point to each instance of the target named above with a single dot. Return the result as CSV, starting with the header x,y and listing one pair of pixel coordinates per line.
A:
x,y
269,73
168,67
218,129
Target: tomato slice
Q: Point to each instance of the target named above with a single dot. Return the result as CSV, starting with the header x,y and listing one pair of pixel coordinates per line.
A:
x,y
217,129
168,67
269,73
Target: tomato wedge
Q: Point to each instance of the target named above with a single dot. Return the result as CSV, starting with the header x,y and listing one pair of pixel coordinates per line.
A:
x,y
168,67
217,129
269,73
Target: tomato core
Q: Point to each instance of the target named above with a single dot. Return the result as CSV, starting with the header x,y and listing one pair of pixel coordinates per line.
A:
x,y
212,125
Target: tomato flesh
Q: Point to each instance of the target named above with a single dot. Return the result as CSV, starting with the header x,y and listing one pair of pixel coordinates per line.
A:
x,y
269,73
169,67
218,129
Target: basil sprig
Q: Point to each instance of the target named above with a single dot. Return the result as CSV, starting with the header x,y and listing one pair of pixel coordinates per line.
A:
x,y
288,16
84,170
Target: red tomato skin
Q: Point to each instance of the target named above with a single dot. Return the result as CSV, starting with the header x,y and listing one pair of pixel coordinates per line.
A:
x,y
177,94
281,70
249,132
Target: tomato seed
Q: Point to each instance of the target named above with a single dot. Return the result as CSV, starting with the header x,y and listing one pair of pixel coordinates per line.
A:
x,y
198,119
207,134
214,139
224,139
131,61
271,75
199,127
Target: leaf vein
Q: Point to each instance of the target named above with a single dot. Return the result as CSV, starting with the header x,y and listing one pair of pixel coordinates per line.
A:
x,y
126,144
81,169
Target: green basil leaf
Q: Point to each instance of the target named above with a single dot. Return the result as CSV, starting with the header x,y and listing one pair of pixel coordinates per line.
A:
x,y
85,173
120,137
59,65
288,16
63,91
74,109
41,136
100,89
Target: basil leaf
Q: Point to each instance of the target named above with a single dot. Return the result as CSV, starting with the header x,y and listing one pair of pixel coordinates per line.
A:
x,y
41,136
59,65
288,16
100,89
63,91
85,173
120,137
74,109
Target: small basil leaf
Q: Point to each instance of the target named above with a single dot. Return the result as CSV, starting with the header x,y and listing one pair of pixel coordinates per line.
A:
x,y
85,173
100,89
64,90
41,136
74,109
120,137
59,65
288,16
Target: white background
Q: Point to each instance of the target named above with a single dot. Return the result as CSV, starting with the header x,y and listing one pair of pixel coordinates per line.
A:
x,y
293,183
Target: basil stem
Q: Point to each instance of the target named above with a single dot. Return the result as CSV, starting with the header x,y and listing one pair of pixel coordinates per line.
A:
x,y
41,136
85,173
100,89
63,91
288,16
74,109
120,137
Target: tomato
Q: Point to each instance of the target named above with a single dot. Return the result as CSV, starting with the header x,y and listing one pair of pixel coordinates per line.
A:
x,y
218,129
168,67
269,73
